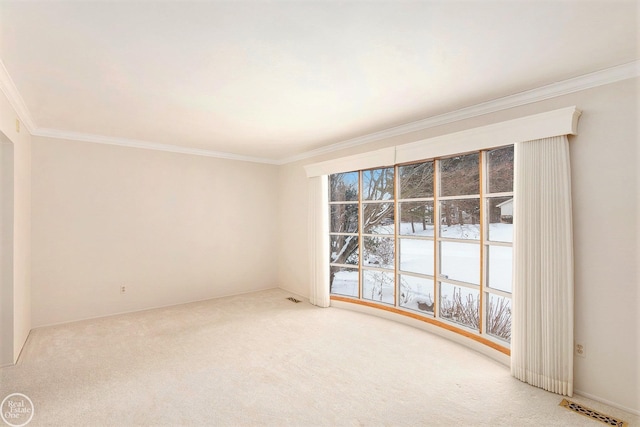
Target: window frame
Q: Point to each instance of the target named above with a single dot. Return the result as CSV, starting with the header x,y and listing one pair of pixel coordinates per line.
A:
x,y
483,291
550,123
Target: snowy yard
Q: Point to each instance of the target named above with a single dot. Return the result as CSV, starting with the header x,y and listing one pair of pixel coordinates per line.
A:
x,y
459,261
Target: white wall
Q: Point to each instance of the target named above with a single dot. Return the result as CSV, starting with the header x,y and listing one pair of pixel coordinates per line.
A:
x,y
607,284
172,228
18,325
605,205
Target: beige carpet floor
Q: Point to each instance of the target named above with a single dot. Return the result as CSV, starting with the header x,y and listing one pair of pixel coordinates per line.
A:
x,y
259,359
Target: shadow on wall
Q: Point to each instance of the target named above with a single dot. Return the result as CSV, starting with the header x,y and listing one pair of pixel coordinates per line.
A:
x,y
6,251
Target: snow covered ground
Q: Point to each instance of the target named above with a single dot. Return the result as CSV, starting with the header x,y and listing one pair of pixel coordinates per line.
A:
x,y
458,261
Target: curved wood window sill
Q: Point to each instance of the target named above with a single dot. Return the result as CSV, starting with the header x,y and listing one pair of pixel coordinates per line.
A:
x,y
432,321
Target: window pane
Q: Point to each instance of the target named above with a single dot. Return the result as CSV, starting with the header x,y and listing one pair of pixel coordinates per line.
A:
x,y
416,180
416,293
459,304
416,218
460,219
344,281
378,286
343,187
343,249
460,175
344,218
378,218
500,267
499,317
377,184
378,252
416,256
500,219
500,170
460,261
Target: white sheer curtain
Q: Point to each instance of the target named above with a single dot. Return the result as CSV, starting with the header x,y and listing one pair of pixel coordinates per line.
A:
x,y
542,326
319,241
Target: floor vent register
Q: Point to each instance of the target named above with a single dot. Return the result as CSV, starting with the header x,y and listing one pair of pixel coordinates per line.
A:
x,y
595,415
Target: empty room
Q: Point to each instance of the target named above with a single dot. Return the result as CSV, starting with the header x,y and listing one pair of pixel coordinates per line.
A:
x,y
325,213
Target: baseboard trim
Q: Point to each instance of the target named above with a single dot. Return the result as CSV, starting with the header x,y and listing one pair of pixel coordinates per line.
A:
x,y
607,402
24,344
46,325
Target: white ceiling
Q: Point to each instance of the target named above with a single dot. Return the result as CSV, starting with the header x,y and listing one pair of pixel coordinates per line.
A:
x,y
276,79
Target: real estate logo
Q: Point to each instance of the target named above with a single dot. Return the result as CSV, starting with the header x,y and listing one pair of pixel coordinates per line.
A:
x,y
17,410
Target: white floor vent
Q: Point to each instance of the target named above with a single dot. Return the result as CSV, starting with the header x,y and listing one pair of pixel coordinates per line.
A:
x,y
292,299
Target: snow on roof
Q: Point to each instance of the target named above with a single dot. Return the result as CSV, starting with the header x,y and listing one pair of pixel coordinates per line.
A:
x,y
504,203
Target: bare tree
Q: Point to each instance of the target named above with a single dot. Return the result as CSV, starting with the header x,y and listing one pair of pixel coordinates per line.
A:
x,y
377,184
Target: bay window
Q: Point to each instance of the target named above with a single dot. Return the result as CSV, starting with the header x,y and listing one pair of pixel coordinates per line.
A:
x,y
432,238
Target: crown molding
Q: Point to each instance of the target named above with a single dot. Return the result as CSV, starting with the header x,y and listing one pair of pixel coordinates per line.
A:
x,y
134,143
15,99
587,81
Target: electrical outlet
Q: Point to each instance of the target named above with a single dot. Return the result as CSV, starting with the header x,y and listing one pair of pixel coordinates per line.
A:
x,y
123,289
580,350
